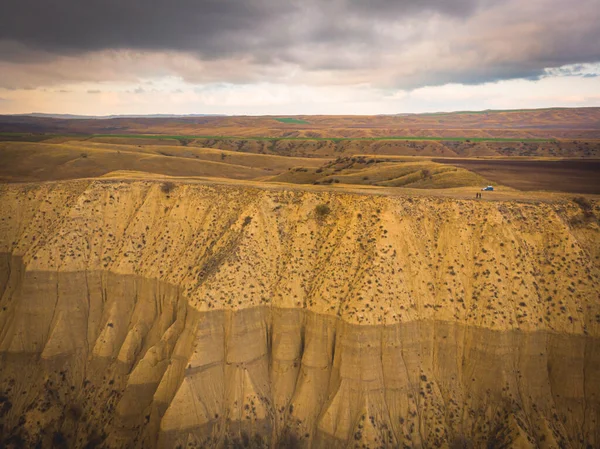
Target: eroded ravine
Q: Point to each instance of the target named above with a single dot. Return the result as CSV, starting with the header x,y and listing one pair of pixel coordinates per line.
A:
x,y
210,317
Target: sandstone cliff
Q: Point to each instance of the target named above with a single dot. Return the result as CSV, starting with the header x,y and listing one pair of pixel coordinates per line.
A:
x,y
208,316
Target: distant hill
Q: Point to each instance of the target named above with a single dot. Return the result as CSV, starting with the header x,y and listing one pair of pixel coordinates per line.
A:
x,y
100,117
555,123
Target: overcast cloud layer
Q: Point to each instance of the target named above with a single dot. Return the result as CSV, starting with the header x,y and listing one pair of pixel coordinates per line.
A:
x,y
383,44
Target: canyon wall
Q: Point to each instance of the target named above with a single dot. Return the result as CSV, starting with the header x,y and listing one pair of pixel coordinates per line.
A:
x,y
220,316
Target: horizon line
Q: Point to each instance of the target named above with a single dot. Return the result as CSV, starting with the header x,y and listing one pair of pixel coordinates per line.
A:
x,y
166,115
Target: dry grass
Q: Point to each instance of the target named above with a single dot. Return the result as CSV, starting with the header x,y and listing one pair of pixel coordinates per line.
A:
x,y
28,161
407,172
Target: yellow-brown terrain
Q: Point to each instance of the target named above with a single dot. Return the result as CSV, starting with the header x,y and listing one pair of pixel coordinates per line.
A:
x,y
560,123
176,292
153,314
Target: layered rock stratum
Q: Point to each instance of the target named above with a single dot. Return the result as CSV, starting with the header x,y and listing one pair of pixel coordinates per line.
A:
x,y
140,314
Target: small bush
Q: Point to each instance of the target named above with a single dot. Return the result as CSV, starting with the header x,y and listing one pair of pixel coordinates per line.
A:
x,y
584,203
59,440
167,187
460,442
84,155
5,405
74,412
322,210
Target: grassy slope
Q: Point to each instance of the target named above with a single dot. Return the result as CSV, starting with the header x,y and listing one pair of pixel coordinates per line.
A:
x,y
29,161
40,161
292,121
408,172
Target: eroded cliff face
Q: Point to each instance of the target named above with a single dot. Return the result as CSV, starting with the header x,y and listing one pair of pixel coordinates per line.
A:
x,y
211,316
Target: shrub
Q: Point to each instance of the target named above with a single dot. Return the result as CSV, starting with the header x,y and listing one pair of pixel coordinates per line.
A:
x,y
460,442
59,440
5,405
584,203
74,412
322,210
167,187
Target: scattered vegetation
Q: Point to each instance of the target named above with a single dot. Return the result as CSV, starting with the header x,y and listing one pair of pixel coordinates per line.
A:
x,y
586,215
385,172
167,187
322,210
185,142
5,405
59,440
585,204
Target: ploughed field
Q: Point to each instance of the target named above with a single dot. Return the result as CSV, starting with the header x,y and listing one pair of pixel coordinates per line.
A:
x,y
562,175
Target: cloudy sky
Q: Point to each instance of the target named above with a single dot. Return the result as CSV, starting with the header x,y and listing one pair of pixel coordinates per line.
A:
x,y
297,56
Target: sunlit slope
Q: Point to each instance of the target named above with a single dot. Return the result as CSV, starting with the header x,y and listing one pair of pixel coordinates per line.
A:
x,y
26,161
370,170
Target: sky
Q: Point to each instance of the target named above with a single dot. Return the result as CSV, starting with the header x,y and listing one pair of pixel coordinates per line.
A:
x,y
256,57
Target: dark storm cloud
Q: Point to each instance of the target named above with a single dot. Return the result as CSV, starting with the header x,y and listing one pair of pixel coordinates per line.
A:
x,y
210,28
383,8
393,43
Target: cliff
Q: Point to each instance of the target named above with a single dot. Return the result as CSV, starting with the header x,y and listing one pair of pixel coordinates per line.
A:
x,y
135,314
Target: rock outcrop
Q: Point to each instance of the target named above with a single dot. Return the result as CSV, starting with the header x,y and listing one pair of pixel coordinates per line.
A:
x,y
134,315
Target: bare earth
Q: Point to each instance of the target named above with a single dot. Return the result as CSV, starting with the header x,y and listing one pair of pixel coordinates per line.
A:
x,y
563,175
177,296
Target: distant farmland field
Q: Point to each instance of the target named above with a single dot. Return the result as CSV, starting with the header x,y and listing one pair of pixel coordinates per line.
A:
x,y
562,176
292,121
